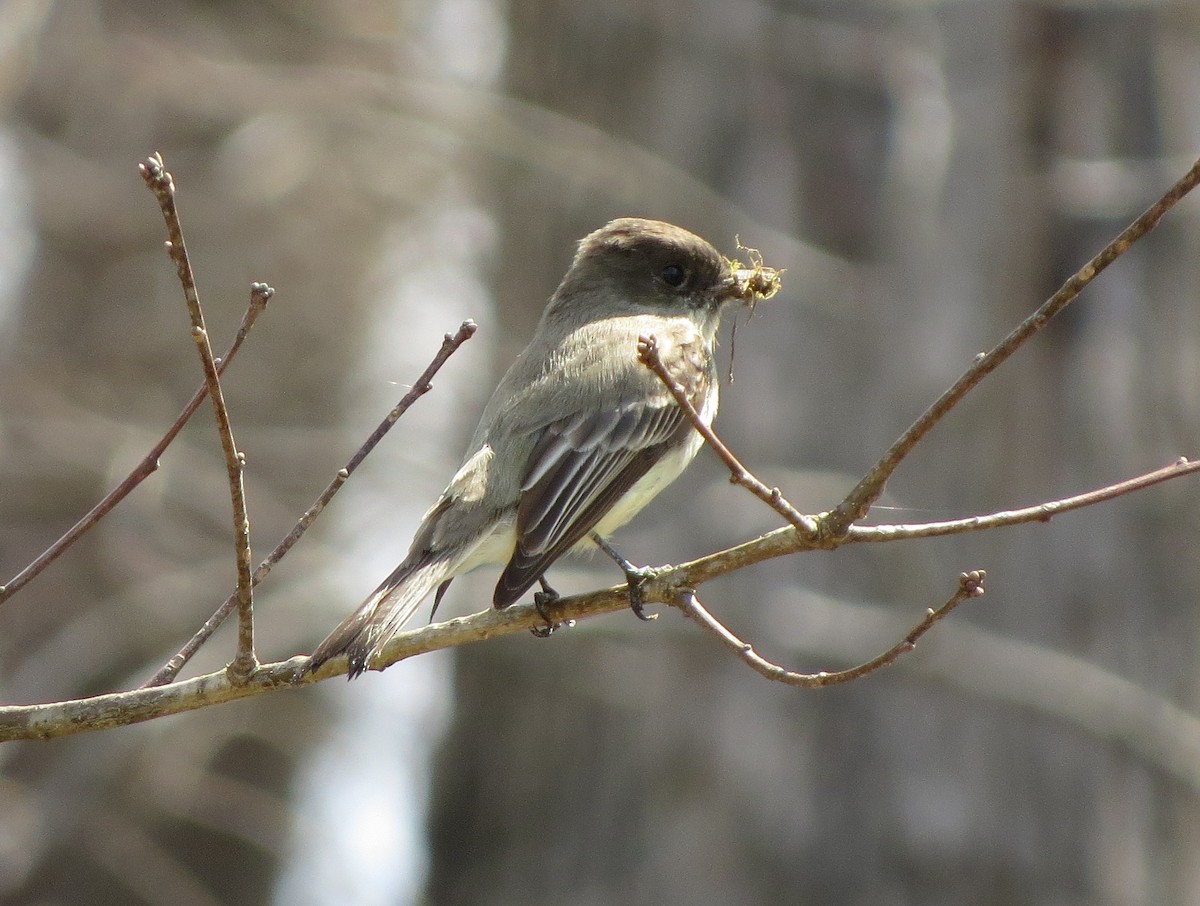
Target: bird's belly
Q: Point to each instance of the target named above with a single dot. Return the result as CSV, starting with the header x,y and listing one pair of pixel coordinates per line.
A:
x,y
496,546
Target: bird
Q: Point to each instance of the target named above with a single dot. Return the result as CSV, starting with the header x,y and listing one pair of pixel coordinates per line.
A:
x,y
579,435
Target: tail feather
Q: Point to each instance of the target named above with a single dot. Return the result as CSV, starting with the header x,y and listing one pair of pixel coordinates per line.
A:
x,y
363,635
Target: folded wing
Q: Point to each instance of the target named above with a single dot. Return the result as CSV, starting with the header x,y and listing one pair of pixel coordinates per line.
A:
x,y
580,467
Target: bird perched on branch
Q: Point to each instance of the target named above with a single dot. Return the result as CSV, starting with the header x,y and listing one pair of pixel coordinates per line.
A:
x,y
579,435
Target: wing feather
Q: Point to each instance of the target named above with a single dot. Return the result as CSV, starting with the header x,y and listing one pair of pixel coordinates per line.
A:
x,y
580,467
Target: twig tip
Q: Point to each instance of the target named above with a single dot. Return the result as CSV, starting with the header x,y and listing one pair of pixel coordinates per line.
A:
x,y
647,348
971,583
261,292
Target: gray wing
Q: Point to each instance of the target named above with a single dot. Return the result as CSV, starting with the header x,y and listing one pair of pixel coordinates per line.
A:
x,y
581,465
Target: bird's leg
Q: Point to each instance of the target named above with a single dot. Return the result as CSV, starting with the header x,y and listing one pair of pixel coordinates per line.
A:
x,y
634,577
540,599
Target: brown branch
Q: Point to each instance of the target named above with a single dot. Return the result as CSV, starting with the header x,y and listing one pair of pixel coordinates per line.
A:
x,y
260,293
665,587
738,474
669,585
118,709
859,501
787,540
811,538
1042,512
450,345
970,585
160,182
824,530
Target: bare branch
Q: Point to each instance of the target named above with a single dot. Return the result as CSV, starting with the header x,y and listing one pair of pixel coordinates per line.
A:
x,y
738,474
787,540
260,294
859,501
450,344
672,585
118,709
160,182
1042,512
970,585
824,530
667,586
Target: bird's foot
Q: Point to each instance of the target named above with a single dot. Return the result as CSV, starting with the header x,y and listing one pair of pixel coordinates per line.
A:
x,y
541,599
635,578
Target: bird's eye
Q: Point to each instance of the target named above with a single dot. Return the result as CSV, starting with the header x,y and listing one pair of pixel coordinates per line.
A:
x,y
673,275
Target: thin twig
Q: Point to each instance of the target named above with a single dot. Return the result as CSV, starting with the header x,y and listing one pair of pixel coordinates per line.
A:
x,y
1042,512
260,293
160,182
807,525
970,585
450,344
786,540
738,474
859,501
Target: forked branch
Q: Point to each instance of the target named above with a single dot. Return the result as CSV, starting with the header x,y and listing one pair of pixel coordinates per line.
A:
x,y
450,344
860,500
160,182
673,585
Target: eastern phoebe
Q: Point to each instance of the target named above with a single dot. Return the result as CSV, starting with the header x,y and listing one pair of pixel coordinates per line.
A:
x,y
578,436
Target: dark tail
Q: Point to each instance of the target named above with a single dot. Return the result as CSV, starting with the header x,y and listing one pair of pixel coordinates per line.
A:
x,y
363,635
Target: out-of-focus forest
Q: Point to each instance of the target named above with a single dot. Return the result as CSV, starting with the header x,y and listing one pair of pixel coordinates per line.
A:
x,y
926,172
